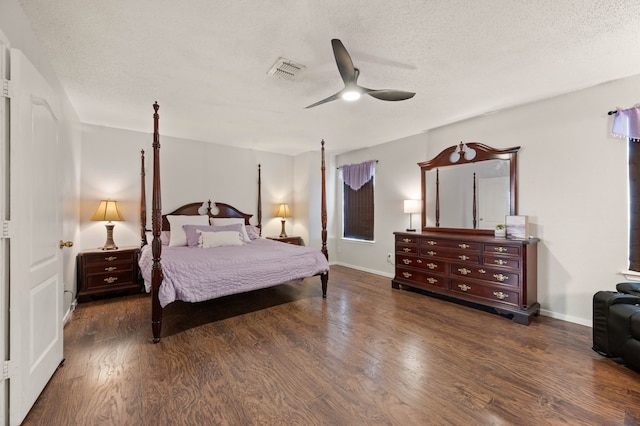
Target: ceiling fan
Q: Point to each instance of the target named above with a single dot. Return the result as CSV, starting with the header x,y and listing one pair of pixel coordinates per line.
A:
x,y
350,74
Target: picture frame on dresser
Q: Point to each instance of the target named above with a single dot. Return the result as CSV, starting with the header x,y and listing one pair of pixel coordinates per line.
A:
x,y
517,227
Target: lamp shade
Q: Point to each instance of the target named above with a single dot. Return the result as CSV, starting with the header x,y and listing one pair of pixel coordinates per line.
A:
x,y
283,210
107,211
412,206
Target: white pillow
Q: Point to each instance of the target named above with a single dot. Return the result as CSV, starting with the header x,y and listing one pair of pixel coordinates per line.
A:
x,y
221,221
178,237
218,239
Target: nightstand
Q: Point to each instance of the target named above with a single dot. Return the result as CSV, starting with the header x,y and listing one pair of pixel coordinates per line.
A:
x,y
107,272
289,240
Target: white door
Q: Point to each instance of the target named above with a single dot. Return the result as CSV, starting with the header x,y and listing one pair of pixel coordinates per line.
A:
x,y
493,201
36,283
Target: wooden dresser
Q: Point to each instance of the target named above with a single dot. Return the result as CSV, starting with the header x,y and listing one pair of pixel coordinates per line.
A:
x,y
107,272
495,273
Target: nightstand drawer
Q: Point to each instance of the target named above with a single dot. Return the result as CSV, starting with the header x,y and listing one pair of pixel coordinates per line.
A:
x,y
111,279
109,257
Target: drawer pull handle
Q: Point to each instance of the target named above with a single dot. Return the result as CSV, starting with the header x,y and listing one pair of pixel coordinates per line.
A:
x,y
419,261
406,249
464,271
500,295
431,253
111,280
500,277
110,268
500,262
406,261
110,258
464,287
406,274
482,271
501,249
463,257
431,280
432,243
464,246
407,240
432,266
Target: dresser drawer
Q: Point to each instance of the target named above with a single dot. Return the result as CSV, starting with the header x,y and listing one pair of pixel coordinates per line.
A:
x,y
457,245
108,268
435,266
483,273
445,253
493,293
405,239
505,262
513,250
423,278
406,249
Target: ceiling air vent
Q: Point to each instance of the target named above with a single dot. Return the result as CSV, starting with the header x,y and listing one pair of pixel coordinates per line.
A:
x,y
286,69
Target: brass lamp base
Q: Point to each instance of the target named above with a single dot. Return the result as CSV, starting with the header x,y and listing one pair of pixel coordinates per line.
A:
x,y
110,244
283,234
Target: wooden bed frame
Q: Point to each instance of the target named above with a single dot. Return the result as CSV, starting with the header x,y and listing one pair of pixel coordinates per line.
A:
x,y
159,222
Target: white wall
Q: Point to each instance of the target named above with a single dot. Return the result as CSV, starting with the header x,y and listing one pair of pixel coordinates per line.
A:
x,y
190,171
572,185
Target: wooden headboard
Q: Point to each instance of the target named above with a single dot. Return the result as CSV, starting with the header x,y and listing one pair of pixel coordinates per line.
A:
x,y
191,209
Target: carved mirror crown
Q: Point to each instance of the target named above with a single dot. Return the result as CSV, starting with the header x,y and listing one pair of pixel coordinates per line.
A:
x,y
469,187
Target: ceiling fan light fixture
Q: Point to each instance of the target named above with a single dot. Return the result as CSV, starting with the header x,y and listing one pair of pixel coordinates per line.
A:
x,y
351,95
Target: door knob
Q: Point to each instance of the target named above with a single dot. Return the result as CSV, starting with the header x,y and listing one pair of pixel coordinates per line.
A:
x,y
65,244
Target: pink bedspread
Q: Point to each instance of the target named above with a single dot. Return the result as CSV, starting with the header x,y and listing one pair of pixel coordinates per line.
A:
x,y
194,274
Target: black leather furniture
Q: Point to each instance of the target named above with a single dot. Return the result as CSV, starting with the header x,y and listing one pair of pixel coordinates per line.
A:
x,y
616,323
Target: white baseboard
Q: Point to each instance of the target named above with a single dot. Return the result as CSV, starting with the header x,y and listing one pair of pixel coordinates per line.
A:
x,y
67,315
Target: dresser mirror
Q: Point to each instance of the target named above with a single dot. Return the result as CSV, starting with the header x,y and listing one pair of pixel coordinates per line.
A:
x,y
469,187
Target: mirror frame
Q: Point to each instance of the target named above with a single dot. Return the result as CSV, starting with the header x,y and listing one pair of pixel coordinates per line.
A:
x,y
483,153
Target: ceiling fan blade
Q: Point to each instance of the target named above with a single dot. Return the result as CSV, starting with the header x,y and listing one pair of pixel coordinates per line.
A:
x,y
389,94
329,99
344,62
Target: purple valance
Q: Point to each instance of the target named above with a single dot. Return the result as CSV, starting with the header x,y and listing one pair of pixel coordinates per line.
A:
x,y
356,175
626,123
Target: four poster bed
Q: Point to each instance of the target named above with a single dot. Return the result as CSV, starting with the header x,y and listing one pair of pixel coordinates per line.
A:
x,y
206,255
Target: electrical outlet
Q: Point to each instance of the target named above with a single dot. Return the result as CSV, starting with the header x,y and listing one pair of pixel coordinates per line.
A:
x,y
389,258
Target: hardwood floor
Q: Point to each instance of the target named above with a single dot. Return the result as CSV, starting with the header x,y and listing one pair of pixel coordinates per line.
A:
x,y
367,354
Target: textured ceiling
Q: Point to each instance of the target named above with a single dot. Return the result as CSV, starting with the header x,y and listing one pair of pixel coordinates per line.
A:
x,y
206,62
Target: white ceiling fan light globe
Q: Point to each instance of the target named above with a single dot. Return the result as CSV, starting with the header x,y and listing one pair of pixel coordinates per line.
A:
x,y
351,95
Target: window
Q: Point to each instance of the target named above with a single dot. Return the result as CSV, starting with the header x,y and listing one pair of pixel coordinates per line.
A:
x,y
358,212
358,200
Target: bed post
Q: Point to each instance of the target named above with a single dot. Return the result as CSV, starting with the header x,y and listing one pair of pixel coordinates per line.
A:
x,y
156,224
259,201
323,215
143,203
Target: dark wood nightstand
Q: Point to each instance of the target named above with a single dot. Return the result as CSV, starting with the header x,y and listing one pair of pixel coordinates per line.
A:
x,y
107,272
289,240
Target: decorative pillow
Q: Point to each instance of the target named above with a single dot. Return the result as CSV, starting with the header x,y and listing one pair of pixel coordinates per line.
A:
x,y
164,237
178,237
253,232
218,239
221,221
193,236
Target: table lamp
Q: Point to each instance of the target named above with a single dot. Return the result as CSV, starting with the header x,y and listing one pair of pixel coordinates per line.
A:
x,y
411,206
108,211
283,212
